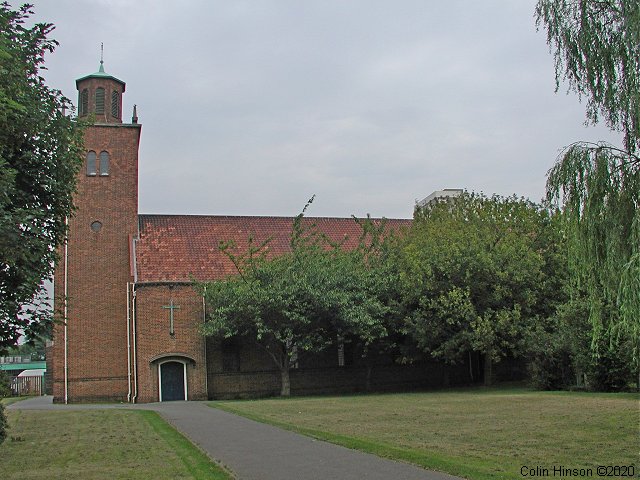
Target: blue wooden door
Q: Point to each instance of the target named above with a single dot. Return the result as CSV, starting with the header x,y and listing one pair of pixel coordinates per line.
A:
x,y
172,381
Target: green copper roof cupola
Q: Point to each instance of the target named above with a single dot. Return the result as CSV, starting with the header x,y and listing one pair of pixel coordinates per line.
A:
x,y
100,94
101,74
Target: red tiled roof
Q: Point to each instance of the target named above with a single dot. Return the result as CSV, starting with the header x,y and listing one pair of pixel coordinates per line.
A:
x,y
181,247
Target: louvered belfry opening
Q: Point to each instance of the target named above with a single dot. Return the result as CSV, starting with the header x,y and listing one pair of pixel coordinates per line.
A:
x,y
99,101
115,104
84,102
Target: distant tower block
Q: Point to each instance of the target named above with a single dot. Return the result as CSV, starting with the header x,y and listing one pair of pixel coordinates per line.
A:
x,y
447,193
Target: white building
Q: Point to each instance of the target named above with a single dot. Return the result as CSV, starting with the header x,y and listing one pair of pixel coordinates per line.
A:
x,y
447,193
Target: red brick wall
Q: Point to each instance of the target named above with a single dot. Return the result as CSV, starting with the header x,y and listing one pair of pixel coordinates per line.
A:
x,y
154,342
320,374
98,270
334,380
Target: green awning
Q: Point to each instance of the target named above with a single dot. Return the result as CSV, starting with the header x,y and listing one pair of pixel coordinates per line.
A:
x,y
23,366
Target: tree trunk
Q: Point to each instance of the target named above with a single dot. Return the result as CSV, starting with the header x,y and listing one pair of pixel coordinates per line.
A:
x,y
285,386
367,385
488,370
285,389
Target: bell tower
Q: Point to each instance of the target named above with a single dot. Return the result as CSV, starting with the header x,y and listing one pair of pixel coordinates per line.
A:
x,y
100,97
90,354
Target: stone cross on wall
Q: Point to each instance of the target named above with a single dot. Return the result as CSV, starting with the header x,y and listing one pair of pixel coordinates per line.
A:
x,y
171,307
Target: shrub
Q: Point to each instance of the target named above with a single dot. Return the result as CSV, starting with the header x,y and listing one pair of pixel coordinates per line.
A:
x,y
5,384
4,426
550,365
561,351
611,370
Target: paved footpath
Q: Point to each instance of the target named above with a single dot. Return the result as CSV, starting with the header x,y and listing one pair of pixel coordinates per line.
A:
x,y
256,451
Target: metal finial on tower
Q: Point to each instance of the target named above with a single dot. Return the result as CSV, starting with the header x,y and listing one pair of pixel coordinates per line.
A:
x,y
134,118
101,57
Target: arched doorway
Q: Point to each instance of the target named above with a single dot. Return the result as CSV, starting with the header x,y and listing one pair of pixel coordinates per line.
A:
x,y
172,380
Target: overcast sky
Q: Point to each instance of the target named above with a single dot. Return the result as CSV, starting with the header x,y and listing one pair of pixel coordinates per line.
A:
x,y
250,107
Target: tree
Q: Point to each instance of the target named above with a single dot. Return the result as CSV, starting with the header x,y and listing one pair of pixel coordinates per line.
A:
x,y
473,273
297,303
596,45
36,349
379,253
39,157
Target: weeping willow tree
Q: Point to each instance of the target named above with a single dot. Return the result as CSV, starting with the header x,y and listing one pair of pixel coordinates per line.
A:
x,y
596,46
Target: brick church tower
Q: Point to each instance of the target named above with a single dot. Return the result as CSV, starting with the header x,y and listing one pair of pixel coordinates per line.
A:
x,y
90,357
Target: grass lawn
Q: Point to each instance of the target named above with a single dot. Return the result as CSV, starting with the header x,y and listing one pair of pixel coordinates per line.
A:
x,y
9,400
99,444
474,433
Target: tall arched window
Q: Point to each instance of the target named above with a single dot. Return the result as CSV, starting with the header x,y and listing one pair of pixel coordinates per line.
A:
x,y
91,163
104,163
99,100
115,104
84,102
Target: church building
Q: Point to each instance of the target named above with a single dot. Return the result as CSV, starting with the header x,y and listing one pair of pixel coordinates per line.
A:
x,y
123,288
